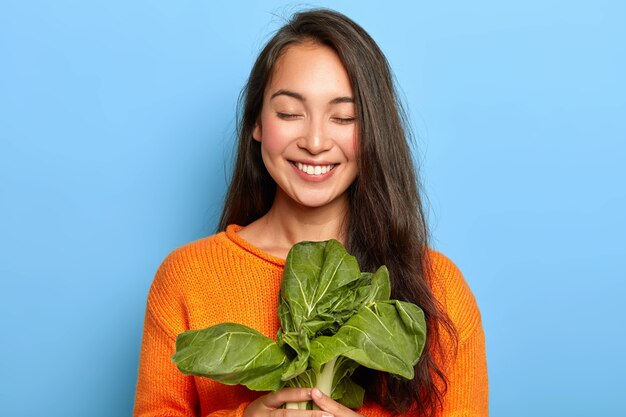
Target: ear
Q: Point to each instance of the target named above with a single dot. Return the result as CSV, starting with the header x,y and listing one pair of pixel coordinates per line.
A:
x,y
257,132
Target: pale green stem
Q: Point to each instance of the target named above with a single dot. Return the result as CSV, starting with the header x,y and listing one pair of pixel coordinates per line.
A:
x,y
324,384
325,379
296,406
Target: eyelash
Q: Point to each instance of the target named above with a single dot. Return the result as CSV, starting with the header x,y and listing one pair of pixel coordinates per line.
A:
x,y
344,120
340,120
287,116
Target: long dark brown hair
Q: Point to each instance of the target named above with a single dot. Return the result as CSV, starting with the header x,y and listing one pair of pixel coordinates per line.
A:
x,y
387,224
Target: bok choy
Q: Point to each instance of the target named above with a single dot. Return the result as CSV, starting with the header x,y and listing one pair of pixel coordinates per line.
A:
x,y
333,319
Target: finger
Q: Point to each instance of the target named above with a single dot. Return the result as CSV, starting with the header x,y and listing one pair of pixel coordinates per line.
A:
x,y
325,403
287,395
283,412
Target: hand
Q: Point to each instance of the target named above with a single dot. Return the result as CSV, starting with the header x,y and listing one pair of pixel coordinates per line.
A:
x,y
270,405
330,406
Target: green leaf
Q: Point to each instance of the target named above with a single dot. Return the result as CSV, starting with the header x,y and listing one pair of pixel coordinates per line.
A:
x,y
346,391
388,336
301,345
305,379
380,287
352,394
413,319
313,271
327,348
345,301
232,354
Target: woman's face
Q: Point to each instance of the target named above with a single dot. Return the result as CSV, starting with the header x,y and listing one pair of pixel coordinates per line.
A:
x,y
308,128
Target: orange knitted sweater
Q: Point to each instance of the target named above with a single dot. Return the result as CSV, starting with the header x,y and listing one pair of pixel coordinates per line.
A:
x,y
223,278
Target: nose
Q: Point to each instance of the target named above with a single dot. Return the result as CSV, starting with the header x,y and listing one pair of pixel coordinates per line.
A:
x,y
316,138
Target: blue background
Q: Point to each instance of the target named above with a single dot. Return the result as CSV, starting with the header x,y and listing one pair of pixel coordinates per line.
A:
x,y
116,130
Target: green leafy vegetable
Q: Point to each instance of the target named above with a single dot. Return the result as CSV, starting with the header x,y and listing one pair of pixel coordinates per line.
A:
x,y
333,319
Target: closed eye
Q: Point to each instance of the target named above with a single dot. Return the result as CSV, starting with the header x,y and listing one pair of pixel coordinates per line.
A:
x,y
287,116
344,120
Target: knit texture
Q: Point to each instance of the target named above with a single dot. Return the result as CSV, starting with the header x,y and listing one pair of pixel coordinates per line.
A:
x,y
223,278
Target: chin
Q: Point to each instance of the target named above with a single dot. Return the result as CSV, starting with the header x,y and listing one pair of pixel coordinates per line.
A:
x,y
315,203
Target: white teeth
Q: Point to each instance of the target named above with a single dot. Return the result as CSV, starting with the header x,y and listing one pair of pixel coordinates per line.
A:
x,y
314,169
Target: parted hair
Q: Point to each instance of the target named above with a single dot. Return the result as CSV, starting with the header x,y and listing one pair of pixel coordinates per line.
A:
x,y
386,219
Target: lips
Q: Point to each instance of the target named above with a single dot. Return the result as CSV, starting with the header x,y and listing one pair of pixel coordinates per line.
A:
x,y
314,169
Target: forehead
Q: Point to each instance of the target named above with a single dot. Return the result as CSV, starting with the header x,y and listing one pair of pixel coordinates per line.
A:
x,y
310,67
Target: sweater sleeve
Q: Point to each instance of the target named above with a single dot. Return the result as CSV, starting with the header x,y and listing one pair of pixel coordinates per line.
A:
x,y
162,390
467,394
466,370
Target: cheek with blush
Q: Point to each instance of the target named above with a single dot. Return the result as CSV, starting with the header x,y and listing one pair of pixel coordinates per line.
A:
x,y
277,135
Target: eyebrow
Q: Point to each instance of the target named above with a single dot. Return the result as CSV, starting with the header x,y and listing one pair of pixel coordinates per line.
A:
x,y
342,100
298,96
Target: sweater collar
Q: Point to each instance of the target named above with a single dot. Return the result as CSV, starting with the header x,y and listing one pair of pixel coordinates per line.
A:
x,y
231,233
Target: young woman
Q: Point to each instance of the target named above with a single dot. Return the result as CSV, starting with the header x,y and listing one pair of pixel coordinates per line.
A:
x,y
323,154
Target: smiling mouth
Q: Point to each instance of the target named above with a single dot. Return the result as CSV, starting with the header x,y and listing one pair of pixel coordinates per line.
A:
x,y
314,169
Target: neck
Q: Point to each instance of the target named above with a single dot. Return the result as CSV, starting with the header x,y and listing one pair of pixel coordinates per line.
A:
x,y
287,223
293,223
